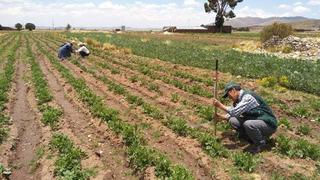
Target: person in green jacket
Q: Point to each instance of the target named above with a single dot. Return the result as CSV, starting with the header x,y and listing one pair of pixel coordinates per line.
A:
x,y
250,116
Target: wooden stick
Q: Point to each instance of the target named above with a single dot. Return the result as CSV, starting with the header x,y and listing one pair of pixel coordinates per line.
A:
x,y
215,93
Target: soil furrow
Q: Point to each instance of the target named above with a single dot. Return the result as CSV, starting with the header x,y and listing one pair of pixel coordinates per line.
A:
x,y
28,129
105,152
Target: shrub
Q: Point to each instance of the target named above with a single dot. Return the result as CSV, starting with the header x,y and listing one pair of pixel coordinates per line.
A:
x,y
276,29
286,49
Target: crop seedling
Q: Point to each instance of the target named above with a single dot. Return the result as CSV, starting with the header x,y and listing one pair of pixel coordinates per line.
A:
x,y
297,148
133,79
205,112
140,156
175,97
153,87
245,161
300,111
285,122
304,129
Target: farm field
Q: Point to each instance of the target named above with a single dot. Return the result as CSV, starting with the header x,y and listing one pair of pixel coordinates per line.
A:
x,y
140,107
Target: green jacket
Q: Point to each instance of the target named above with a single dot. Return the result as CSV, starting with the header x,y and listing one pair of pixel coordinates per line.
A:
x,y
262,112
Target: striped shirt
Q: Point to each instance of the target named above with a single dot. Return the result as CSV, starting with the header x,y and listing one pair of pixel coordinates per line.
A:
x,y
247,103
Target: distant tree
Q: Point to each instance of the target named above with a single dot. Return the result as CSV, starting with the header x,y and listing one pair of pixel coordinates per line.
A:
x,y
220,7
18,26
30,26
68,27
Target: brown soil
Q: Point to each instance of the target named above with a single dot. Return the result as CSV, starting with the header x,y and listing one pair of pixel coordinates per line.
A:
x,y
28,128
104,150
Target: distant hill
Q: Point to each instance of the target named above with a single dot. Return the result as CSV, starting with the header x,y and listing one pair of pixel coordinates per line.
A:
x,y
297,22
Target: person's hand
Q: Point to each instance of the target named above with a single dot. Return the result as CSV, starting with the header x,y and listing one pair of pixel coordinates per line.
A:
x,y
216,103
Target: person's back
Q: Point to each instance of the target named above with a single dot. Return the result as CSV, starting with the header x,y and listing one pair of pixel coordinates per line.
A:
x,y
83,51
65,51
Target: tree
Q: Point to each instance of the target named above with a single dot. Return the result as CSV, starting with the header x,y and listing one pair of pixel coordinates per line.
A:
x,y
68,27
220,7
18,26
30,26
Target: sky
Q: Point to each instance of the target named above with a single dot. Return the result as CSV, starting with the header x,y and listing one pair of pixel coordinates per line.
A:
x,y
140,13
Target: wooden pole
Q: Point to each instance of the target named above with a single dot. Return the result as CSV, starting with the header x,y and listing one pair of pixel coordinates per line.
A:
x,y
215,93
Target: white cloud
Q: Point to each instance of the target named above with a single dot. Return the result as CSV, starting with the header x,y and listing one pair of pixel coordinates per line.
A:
x,y
300,9
297,3
105,14
191,3
314,2
284,6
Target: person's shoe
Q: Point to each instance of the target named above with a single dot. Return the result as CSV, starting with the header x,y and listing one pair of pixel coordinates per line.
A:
x,y
255,149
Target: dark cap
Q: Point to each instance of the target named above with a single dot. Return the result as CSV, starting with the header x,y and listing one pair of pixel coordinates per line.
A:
x,y
228,87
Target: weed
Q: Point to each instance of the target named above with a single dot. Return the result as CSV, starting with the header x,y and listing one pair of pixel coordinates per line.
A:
x,y
277,176
156,134
245,161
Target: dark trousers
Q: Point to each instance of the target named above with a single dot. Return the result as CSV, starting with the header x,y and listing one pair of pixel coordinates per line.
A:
x,y
257,130
83,54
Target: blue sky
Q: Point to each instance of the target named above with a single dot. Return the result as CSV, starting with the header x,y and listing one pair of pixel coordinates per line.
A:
x,y
140,13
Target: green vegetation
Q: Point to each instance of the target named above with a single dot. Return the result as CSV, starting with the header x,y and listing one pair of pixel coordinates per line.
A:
x,y
285,122
175,97
140,155
302,75
297,148
68,164
245,161
6,75
50,115
304,129
276,29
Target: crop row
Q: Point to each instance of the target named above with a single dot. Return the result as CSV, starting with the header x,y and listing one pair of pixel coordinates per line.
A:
x,y
6,76
140,156
211,145
302,75
50,114
244,162
68,163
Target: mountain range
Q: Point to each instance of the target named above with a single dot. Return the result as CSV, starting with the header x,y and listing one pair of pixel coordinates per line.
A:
x,y
298,22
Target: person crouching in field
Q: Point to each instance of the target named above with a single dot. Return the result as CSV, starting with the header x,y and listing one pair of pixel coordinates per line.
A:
x,y
250,116
83,50
65,50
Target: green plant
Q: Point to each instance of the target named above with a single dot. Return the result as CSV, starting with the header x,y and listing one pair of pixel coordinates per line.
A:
x,y
277,176
297,148
178,125
205,112
304,129
50,116
245,161
300,111
175,97
134,78
285,122
2,168
153,87
134,100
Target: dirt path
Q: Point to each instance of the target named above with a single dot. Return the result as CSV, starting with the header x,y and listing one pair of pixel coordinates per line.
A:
x,y
28,129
